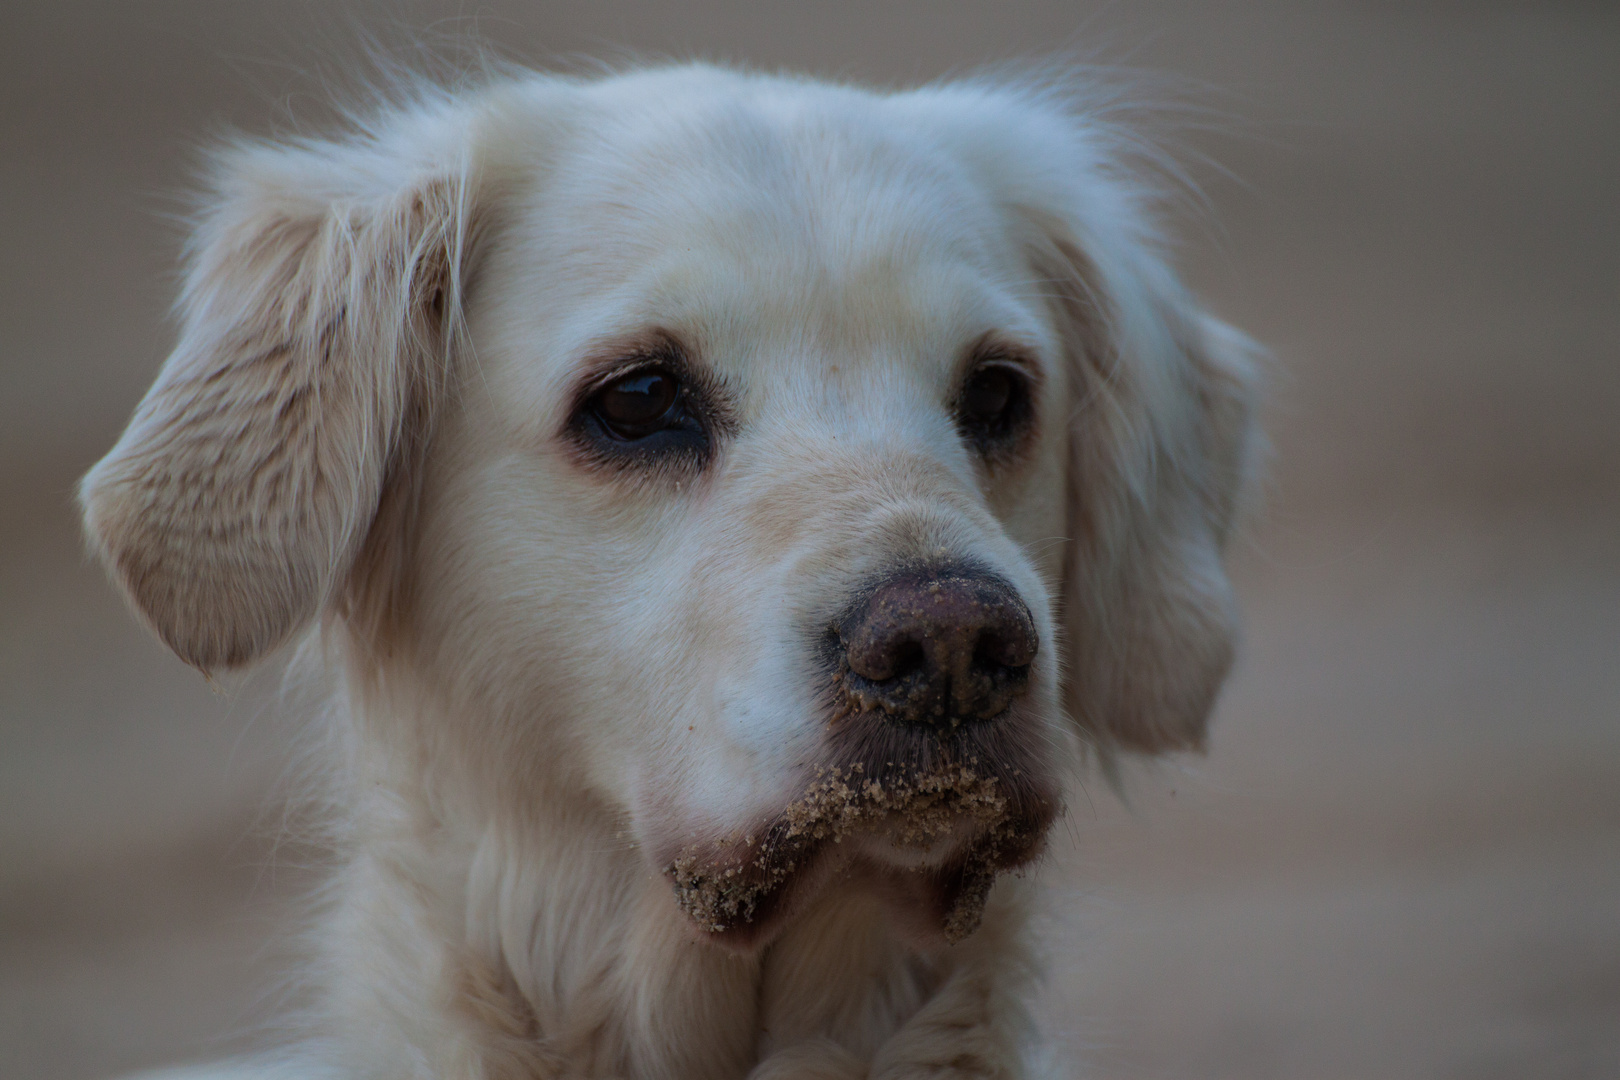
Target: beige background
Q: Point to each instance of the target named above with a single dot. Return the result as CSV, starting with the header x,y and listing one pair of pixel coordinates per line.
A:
x,y
1402,858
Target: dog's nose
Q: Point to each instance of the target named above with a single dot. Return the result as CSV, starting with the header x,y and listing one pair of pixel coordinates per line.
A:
x,y
939,648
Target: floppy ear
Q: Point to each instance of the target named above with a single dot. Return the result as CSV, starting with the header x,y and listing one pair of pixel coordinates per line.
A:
x,y
1161,435
316,318
1162,445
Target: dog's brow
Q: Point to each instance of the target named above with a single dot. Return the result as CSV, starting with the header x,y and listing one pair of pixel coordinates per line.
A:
x,y
997,346
606,359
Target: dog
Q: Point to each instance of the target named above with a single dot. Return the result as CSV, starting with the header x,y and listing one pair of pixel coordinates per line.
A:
x,y
730,508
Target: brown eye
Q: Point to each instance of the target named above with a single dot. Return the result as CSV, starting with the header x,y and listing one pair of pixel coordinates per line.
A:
x,y
986,396
638,405
653,410
993,409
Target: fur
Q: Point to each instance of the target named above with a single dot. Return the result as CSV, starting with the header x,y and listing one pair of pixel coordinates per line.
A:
x,y
560,675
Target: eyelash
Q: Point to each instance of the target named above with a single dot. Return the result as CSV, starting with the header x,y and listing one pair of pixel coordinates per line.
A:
x,y
685,444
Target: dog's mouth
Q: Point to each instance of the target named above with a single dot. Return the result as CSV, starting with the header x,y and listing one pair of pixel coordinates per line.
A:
x,y
936,834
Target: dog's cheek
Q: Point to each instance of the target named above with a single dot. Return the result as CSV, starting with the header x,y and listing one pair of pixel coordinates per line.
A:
x,y
510,625
1033,510
726,747
607,646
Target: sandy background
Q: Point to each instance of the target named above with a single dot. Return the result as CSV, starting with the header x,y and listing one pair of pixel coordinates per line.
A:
x,y
1402,858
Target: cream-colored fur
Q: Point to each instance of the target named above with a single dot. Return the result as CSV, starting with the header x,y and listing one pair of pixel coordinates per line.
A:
x,y
559,676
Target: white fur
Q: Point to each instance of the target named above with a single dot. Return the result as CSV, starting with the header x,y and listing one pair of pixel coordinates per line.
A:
x,y
556,677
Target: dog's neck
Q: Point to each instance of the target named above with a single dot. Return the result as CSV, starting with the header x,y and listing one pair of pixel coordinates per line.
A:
x,y
464,945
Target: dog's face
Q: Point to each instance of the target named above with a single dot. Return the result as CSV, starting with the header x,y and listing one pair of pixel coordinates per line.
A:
x,y
768,469
806,376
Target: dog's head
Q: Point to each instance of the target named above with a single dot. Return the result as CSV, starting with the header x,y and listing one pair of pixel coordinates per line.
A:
x,y
788,475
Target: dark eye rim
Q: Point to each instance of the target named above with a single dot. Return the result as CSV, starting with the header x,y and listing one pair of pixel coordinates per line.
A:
x,y
696,419
1000,439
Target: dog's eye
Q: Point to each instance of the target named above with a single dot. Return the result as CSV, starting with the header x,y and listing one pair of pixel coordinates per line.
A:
x,y
638,405
993,406
986,395
654,415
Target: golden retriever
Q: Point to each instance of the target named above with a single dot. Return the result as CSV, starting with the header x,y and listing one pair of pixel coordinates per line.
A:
x,y
730,507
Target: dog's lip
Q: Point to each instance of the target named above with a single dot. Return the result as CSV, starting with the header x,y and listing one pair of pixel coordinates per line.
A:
x,y
738,891
883,845
938,902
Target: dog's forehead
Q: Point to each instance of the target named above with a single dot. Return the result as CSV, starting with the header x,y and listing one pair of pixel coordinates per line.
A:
x,y
783,230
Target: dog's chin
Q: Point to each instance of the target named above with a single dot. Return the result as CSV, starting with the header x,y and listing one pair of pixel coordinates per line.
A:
x,y
928,846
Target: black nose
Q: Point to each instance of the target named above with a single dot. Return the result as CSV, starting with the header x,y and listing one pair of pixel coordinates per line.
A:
x,y
940,648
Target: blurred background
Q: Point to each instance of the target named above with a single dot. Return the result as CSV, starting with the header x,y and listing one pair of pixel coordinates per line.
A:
x,y
1402,856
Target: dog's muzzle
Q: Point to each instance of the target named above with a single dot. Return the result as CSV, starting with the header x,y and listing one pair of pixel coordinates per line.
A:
x,y
931,782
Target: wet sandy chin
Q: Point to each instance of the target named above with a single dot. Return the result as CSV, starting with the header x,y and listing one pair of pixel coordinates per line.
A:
x,y
731,884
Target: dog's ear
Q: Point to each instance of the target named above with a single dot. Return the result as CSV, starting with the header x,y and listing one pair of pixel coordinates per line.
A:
x,y
317,317
1160,423
1162,444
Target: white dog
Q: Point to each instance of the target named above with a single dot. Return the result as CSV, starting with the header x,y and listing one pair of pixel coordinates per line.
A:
x,y
730,506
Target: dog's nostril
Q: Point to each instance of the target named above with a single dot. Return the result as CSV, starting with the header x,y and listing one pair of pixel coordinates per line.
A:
x,y
998,649
989,651
938,647
908,658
